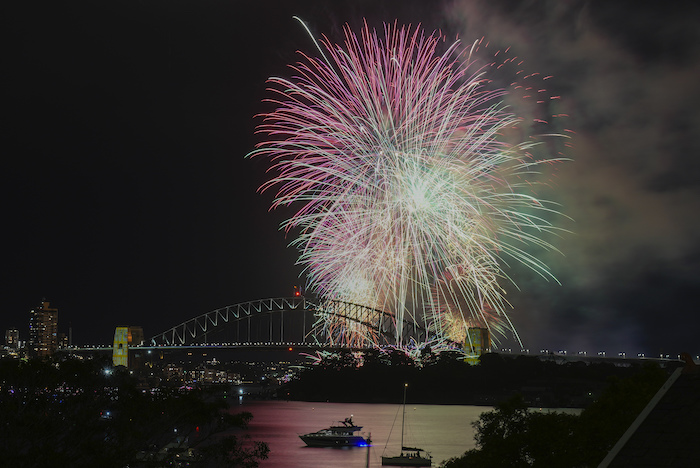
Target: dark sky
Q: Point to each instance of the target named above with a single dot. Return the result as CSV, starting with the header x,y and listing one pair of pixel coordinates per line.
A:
x,y
126,197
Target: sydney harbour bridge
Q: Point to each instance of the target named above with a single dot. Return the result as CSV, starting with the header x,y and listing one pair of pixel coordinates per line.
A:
x,y
294,320
307,323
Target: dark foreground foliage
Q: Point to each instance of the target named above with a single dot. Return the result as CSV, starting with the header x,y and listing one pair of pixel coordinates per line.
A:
x,y
514,436
74,413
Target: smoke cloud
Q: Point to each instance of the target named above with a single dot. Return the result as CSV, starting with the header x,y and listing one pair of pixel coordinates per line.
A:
x,y
627,75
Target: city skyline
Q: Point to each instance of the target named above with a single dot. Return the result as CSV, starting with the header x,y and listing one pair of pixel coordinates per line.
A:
x,y
129,201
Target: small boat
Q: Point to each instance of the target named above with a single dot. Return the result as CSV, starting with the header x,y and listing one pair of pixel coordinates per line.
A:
x,y
337,436
409,456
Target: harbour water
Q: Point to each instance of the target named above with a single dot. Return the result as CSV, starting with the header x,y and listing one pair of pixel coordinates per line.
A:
x,y
444,431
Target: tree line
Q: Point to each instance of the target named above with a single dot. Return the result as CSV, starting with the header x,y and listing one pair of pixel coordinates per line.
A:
x,y
66,412
374,375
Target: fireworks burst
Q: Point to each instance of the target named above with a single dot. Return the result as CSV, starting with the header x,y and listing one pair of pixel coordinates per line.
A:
x,y
411,193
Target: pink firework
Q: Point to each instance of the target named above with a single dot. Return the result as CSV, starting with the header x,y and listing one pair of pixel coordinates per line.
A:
x,y
411,179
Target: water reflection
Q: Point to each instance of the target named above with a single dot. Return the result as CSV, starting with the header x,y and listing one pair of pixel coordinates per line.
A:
x,y
444,431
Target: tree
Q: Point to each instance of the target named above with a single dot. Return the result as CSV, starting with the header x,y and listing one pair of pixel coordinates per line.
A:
x,y
607,419
513,436
500,433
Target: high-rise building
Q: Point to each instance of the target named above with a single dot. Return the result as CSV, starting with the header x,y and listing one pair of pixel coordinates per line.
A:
x,y
43,330
62,341
12,338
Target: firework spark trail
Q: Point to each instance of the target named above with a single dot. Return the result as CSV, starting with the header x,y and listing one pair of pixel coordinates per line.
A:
x,y
347,324
411,196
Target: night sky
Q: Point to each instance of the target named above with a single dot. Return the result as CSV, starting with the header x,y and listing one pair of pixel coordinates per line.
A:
x,y
127,199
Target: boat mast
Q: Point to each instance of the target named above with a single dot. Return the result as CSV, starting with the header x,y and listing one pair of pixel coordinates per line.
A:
x,y
403,416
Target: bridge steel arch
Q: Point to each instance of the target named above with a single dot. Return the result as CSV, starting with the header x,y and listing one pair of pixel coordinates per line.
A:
x,y
307,322
198,328
377,326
